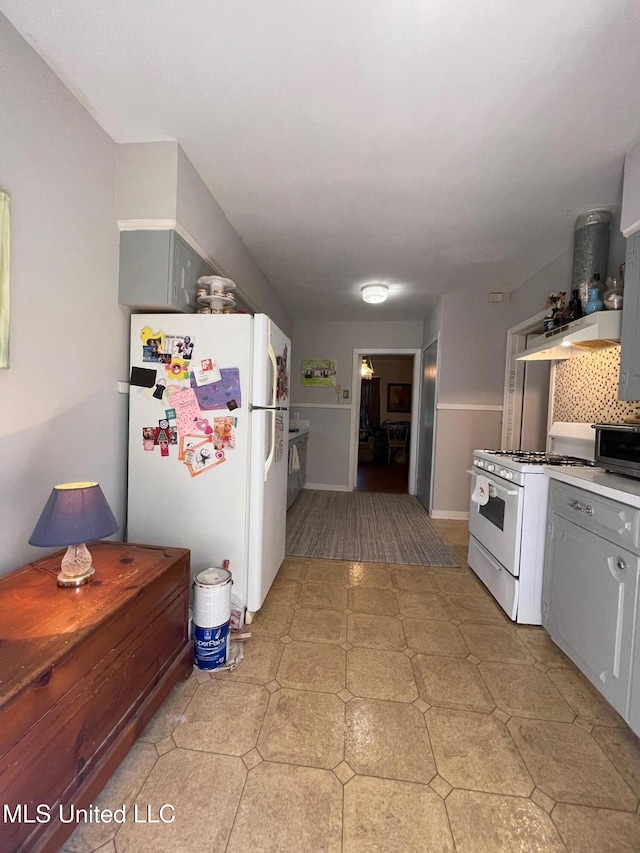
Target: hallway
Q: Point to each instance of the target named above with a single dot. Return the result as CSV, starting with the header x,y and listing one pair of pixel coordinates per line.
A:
x,y
390,477
382,708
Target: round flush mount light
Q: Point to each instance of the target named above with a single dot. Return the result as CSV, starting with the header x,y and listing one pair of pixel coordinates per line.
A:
x,y
374,293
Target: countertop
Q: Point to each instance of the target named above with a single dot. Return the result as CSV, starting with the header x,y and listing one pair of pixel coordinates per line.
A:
x,y
302,428
600,482
301,431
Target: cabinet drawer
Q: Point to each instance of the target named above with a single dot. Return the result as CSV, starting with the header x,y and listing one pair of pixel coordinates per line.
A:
x,y
500,583
615,521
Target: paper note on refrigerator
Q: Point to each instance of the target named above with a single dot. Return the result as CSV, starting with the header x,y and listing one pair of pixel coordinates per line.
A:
x,y
206,371
218,395
279,437
187,410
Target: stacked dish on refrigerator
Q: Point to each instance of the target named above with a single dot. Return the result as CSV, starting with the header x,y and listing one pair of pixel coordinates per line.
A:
x,y
214,295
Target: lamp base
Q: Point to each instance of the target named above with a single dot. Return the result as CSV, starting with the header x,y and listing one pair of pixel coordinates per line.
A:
x,y
78,580
76,566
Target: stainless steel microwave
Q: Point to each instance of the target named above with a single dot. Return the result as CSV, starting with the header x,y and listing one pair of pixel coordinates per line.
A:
x,y
618,448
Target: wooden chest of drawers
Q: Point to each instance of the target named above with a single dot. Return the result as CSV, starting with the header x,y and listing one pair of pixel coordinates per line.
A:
x,y
81,673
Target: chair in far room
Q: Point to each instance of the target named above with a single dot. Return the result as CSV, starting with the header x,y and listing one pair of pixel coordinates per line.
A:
x,y
397,442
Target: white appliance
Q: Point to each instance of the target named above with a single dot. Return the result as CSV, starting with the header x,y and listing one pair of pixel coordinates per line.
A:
x,y
508,515
208,432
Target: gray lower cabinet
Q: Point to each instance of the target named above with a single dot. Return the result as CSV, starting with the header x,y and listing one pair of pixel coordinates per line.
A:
x,y
591,588
297,478
159,271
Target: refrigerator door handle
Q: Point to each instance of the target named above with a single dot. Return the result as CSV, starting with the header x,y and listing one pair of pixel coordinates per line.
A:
x,y
274,399
269,461
253,408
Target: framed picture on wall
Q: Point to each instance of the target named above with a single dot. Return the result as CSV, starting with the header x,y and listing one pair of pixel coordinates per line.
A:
x,y
399,397
319,372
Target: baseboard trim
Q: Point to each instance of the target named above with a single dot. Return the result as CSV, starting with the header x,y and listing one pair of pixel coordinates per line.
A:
x,y
450,514
326,487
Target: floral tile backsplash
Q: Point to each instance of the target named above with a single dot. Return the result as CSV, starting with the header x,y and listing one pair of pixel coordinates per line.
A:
x,y
586,389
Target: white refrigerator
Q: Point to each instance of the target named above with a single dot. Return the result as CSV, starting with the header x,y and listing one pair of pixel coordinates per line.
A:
x,y
208,440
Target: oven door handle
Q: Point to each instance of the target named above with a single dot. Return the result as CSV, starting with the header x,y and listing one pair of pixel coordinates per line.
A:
x,y
502,488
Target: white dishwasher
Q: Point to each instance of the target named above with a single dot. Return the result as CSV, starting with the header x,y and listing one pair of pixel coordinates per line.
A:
x,y
590,593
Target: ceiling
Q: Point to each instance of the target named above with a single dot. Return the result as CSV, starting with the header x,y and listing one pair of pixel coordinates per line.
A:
x,y
429,144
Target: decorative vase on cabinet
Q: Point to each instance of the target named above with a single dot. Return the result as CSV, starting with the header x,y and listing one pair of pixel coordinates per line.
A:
x,y
595,303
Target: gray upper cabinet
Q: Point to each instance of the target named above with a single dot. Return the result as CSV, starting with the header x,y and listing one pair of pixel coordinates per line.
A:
x,y
630,214
159,271
629,384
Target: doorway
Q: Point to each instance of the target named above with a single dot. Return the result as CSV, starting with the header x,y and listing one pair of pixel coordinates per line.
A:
x,y
384,422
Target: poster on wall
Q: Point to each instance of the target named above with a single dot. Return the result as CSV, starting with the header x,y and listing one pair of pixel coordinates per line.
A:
x,y
5,204
319,372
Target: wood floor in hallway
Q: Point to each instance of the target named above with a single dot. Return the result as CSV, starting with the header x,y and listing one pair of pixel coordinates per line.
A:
x,y
390,477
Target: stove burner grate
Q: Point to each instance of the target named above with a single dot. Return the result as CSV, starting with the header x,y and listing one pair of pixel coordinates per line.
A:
x,y
539,457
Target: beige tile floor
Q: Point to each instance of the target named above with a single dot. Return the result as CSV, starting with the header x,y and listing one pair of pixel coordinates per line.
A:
x,y
382,708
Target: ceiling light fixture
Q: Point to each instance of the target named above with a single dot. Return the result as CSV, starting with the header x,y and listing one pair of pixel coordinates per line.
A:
x,y
374,293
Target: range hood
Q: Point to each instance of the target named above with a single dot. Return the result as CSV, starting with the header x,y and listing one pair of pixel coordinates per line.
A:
x,y
596,331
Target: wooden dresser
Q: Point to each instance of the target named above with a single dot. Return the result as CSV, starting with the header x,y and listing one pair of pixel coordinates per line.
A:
x,y
81,673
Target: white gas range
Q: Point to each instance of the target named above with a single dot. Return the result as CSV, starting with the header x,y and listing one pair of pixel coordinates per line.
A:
x,y
508,514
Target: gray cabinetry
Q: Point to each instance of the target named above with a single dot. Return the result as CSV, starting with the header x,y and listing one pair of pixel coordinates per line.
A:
x,y
630,214
297,478
629,386
159,271
591,587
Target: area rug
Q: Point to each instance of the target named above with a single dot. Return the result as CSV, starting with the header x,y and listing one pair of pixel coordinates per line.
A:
x,y
366,526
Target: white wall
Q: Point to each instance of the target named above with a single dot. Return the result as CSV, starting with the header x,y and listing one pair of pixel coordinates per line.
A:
x,y
147,180
328,450
199,212
432,323
62,418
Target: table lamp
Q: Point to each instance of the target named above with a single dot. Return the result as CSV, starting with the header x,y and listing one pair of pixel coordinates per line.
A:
x,y
74,514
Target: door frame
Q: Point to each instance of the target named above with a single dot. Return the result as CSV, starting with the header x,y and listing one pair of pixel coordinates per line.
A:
x,y
514,379
434,340
416,389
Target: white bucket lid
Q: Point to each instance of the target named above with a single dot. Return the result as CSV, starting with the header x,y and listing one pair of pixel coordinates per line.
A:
x,y
213,576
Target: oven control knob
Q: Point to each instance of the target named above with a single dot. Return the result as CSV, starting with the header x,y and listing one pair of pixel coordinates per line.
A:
x,y
502,472
491,467
479,463
509,475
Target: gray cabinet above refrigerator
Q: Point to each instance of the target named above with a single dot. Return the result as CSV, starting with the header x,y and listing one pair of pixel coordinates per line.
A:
x,y
159,271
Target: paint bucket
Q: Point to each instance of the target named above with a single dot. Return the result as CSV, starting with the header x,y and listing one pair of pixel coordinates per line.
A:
x,y
211,615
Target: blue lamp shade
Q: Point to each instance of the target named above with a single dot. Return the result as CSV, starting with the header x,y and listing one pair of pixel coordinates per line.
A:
x,y
75,513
